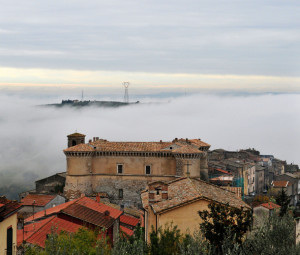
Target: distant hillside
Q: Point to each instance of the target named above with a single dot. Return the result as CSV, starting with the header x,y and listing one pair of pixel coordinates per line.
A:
x,y
80,104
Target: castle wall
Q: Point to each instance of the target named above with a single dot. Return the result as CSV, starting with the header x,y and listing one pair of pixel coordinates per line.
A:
x,y
91,174
131,187
134,165
77,185
79,165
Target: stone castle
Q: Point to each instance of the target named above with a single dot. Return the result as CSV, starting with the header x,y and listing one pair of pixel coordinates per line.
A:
x,y
123,169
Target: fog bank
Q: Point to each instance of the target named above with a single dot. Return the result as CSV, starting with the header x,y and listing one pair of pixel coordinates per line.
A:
x,y
32,138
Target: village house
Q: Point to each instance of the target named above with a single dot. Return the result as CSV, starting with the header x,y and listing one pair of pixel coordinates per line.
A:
x,y
259,179
8,226
33,203
263,211
123,169
70,216
293,188
179,201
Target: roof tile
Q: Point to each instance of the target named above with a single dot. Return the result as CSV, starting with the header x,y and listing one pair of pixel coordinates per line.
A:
x,y
37,199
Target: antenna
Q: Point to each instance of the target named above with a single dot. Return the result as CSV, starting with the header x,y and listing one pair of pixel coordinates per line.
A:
x,y
82,95
126,96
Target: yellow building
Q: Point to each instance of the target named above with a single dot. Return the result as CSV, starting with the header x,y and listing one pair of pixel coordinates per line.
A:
x,y
123,169
8,226
179,201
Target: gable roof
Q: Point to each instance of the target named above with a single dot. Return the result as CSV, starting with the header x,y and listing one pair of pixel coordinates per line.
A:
x,y
88,203
37,199
8,207
185,190
280,184
89,215
47,226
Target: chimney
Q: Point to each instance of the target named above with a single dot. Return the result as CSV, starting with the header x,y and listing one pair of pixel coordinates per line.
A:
x,y
107,214
90,141
98,198
94,139
160,141
164,192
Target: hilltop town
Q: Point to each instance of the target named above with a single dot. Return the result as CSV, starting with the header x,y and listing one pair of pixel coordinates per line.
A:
x,y
121,186
88,103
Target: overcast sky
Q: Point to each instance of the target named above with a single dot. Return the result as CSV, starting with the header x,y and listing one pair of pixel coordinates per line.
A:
x,y
245,45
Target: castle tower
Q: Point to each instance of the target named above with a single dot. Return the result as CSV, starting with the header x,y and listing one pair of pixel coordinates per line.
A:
x,y
75,138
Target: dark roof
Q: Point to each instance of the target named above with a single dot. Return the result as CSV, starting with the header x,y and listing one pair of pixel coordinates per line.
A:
x,y
8,207
88,215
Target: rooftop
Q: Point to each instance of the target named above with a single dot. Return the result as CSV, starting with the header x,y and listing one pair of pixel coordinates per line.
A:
x,y
192,146
129,220
184,190
36,233
280,184
270,205
37,199
8,207
76,134
68,208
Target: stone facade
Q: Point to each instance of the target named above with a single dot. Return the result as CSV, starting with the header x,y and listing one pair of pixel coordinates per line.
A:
x,y
123,169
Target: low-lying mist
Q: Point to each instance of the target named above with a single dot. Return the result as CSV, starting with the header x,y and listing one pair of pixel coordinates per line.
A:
x,y
32,138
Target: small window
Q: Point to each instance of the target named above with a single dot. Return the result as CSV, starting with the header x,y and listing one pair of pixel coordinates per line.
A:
x,y
148,169
120,168
120,193
73,142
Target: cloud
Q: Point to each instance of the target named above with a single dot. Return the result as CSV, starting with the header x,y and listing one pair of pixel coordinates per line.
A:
x,y
32,138
141,81
200,37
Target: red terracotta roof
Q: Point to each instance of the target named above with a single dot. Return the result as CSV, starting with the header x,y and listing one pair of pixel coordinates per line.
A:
x,y
8,207
280,184
100,207
270,205
30,229
126,231
50,211
128,220
179,146
54,224
222,171
83,201
37,199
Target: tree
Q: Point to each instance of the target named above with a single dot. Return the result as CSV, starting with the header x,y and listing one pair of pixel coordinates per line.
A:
x,y
276,236
223,221
283,200
165,241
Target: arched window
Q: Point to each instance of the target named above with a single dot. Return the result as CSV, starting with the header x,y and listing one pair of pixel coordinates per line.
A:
x,y
73,142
